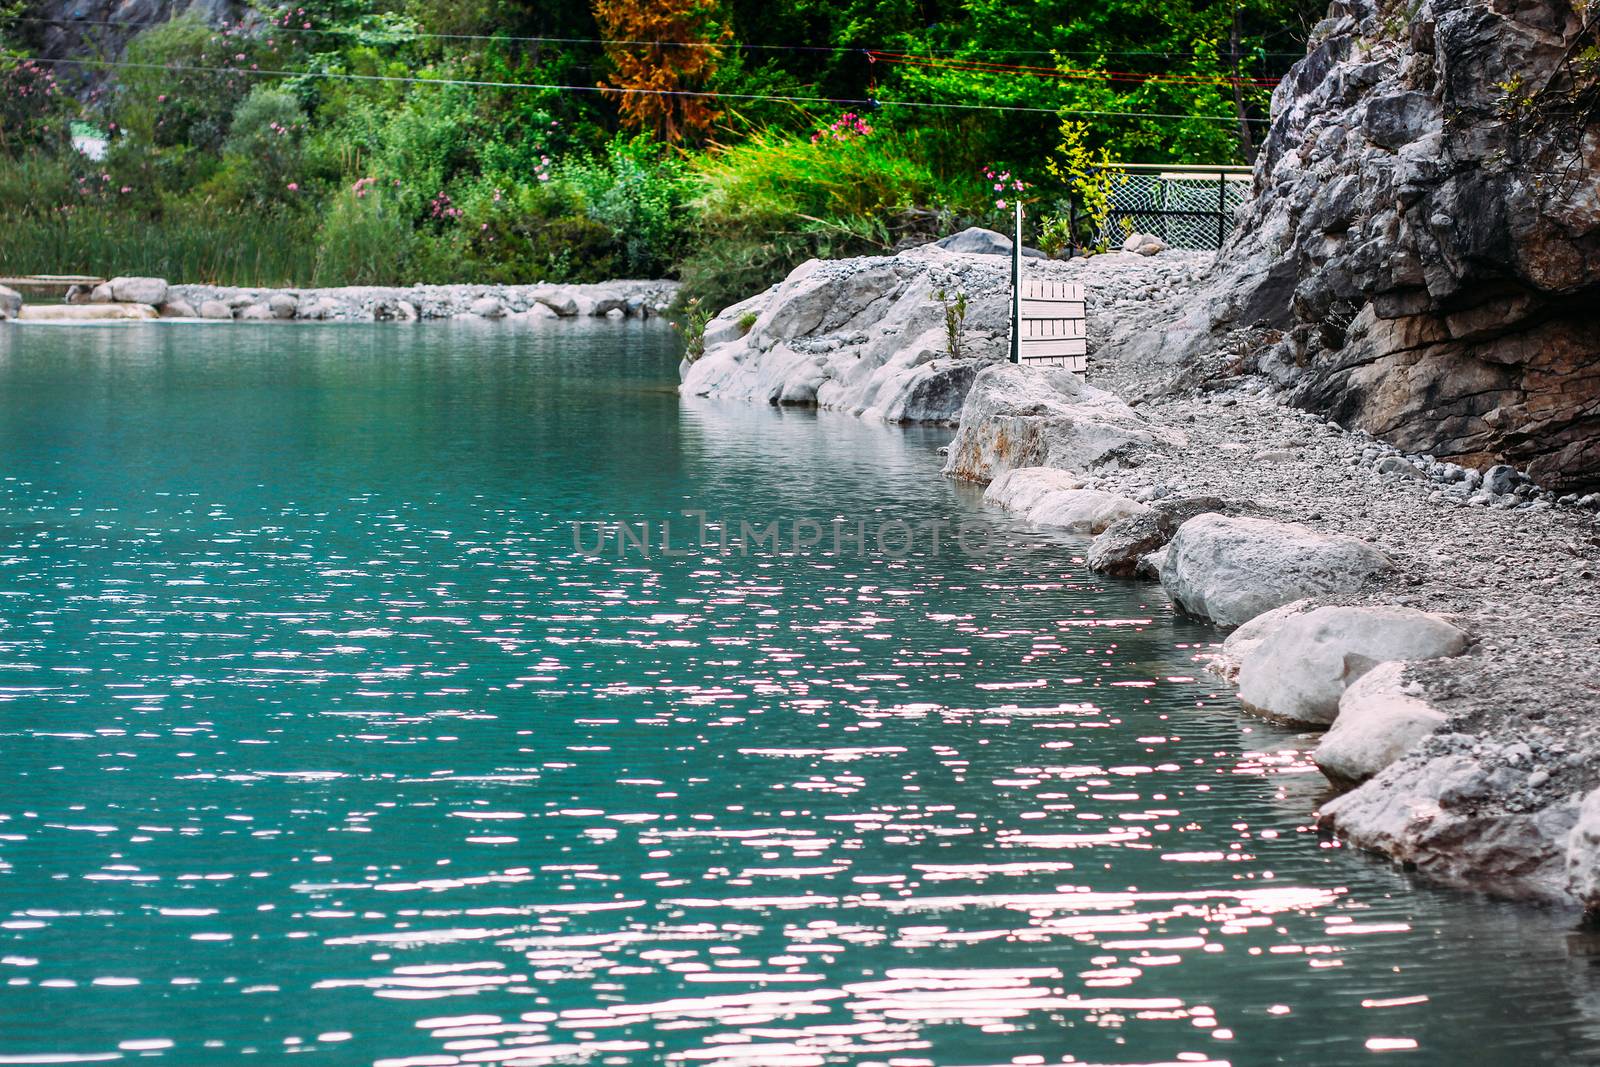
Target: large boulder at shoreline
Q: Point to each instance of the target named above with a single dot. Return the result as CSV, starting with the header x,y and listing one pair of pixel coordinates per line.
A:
x,y
138,290
1018,416
178,309
215,309
282,305
1583,855
1238,646
865,336
1381,718
1302,668
10,302
1051,497
487,307
1231,569
1125,543
1441,807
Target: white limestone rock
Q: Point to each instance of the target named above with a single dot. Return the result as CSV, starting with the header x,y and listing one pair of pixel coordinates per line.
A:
x,y
1302,668
1439,811
215,309
1248,637
138,290
1231,569
1052,497
1381,718
487,307
282,305
10,302
1017,416
1583,854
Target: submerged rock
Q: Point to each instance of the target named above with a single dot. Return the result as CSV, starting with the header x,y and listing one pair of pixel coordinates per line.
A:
x,y
1230,570
1301,669
1381,718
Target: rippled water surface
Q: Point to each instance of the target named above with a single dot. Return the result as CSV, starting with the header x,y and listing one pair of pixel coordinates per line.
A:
x,y
320,737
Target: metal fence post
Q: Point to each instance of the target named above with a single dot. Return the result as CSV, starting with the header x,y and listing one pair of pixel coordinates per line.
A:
x,y
1016,289
1222,206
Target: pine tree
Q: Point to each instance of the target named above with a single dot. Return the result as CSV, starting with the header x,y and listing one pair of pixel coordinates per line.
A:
x,y
658,48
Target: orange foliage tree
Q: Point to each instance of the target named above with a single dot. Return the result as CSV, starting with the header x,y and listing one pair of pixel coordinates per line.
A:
x,y
659,48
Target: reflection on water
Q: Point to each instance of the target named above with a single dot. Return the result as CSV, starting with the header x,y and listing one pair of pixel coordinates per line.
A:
x,y
322,739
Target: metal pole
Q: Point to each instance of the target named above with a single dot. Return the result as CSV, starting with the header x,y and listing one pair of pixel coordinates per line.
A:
x,y
1016,289
1222,203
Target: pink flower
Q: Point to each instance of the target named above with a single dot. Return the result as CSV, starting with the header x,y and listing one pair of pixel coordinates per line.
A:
x,y
999,203
294,187
127,188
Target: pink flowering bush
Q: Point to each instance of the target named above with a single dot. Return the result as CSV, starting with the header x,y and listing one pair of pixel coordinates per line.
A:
x,y
33,109
1002,184
844,129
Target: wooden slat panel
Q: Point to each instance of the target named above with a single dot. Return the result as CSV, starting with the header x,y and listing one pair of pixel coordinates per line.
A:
x,y
1040,348
1033,308
1053,328
1045,289
1076,364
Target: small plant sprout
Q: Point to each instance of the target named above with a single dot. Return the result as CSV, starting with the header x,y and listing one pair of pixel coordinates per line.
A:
x,y
693,328
955,321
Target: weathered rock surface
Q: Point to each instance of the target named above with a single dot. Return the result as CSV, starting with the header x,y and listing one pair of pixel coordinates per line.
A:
x,y
1230,570
1019,416
85,312
1303,666
215,309
1120,548
178,309
868,335
1583,854
138,290
1238,645
1421,250
1442,808
1052,497
975,240
487,307
10,302
1381,718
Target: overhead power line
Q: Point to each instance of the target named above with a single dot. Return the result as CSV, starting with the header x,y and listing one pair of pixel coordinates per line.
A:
x,y
705,94
133,24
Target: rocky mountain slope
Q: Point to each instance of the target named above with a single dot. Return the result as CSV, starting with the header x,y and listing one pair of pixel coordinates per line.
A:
x,y
1420,256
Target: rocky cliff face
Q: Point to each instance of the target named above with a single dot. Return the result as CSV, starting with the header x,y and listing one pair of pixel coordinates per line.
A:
x,y
1420,257
101,29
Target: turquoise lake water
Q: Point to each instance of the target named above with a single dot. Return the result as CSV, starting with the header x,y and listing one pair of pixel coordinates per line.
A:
x,y
323,742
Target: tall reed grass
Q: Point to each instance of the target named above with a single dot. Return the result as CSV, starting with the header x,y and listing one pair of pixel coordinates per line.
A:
x,y
222,248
